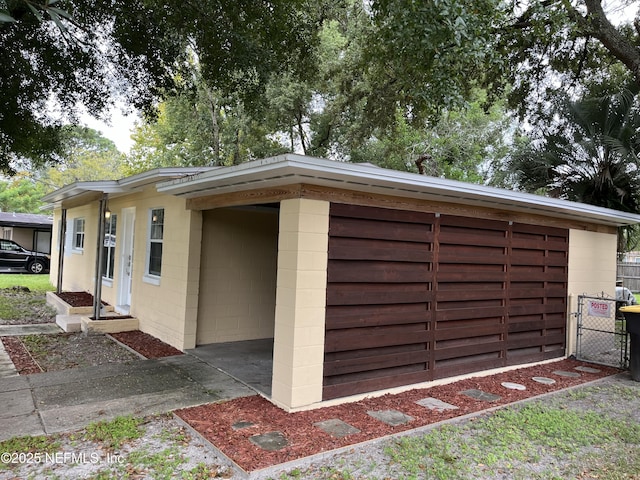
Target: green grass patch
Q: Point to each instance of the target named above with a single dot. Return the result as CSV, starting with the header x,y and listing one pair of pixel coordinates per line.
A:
x,y
164,464
522,441
115,433
35,283
36,344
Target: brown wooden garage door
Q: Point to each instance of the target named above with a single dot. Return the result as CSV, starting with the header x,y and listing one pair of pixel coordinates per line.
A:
x,y
415,296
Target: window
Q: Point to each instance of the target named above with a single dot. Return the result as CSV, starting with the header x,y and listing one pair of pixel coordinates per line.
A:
x,y
154,246
7,234
78,233
109,246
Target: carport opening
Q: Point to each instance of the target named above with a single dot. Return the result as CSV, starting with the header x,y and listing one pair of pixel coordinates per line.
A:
x,y
237,295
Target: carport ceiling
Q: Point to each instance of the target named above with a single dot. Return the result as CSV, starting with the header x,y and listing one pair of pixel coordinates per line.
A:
x,y
293,169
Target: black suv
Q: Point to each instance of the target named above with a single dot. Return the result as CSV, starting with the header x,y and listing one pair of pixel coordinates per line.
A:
x,y
14,256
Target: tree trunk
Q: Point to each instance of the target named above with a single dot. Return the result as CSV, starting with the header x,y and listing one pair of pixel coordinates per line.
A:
x,y
215,127
597,24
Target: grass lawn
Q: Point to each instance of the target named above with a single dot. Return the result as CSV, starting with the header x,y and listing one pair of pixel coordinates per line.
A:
x,y
35,283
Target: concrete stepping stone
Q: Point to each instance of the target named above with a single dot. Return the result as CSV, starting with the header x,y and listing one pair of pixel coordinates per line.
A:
x,y
544,380
435,404
242,424
390,417
337,428
271,441
587,369
480,395
513,386
564,373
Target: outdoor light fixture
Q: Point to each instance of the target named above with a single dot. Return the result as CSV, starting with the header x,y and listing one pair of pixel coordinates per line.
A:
x,y
107,213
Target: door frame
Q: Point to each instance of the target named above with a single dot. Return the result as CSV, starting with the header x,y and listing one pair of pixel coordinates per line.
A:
x,y
125,270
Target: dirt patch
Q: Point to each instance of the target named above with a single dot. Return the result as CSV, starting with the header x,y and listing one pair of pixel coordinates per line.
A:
x,y
145,344
48,353
215,422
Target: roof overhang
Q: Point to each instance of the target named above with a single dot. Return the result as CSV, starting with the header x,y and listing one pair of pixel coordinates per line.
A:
x,y
293,169
26,220
81,193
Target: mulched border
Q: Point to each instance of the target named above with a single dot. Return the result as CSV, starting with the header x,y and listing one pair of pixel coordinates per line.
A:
x,y
215,422
20,356
145,344
77,299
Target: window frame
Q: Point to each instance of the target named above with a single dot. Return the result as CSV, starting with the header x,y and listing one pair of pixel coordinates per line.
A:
x,y
154,239
78,236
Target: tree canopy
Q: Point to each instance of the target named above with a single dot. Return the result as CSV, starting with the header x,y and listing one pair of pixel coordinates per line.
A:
x,y
390,82
63,55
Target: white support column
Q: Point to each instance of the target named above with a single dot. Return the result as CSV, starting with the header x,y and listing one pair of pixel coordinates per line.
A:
x,y
298,355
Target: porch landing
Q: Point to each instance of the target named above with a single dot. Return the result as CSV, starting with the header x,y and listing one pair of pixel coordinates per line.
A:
x,y
248,361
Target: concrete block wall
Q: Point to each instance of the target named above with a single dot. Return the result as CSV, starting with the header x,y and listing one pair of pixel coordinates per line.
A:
x,y
238,275
300,303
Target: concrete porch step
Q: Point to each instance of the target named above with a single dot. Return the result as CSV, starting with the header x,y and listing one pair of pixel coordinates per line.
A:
x,y
69,323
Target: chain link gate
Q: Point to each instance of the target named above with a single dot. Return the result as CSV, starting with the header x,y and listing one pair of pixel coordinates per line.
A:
x,y
602,336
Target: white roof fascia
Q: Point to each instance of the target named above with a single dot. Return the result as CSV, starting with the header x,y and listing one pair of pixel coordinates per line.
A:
x,y
79,188
291,168
151,177
124,185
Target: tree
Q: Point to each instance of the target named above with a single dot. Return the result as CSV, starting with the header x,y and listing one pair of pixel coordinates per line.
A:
x,y
590,155
87,156
199,128
21,194
462,144
424,57
83,53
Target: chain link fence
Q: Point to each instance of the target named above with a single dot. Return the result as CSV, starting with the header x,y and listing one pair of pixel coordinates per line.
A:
x,y
602,336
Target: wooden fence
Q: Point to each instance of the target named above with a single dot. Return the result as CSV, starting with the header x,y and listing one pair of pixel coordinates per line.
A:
x,y
629,273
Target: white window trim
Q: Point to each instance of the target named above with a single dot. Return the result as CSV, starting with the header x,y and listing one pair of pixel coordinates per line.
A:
x,y
149,277
74,248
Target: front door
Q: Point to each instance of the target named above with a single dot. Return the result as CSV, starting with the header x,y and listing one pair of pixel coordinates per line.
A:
x,y
126,260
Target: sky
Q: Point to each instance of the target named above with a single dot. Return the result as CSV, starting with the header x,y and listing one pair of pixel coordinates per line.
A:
x,y
118,129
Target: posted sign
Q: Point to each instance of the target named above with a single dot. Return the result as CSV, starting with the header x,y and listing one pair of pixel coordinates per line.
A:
x,y
599,308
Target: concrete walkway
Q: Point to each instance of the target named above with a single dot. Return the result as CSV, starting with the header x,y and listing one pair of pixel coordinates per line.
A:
x,y
33,329
68,400
7,368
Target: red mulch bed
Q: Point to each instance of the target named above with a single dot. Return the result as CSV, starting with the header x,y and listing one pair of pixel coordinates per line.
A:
x,y
20,356
77,299
145,344
214,421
